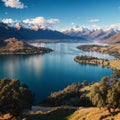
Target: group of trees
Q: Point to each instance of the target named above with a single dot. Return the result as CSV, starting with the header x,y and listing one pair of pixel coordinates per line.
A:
x,y
104,94
15,98
107,93
85,57
71,95
92,60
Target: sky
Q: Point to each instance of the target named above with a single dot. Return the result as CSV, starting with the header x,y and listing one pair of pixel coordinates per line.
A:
x,y
61,14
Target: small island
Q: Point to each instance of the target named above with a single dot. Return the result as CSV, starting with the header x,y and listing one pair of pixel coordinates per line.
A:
x,y
14,46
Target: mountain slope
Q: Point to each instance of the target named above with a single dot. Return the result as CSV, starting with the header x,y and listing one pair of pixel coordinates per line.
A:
x,y
114,39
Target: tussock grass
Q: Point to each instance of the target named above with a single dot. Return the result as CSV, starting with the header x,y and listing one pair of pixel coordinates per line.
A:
x,y
92,113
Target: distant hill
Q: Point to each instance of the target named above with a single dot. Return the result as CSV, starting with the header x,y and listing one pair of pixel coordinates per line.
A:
x,y
12,44
114,39
29,34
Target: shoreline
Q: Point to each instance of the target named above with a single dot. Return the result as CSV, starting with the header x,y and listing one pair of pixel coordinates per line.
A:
x,y
112,64
112,50
28,52
12,46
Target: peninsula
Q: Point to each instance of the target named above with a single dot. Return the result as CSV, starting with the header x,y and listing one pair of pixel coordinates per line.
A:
x,y
113,50
14,46
113,64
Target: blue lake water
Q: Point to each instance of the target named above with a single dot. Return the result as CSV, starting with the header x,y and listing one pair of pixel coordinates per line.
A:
x,y
52,71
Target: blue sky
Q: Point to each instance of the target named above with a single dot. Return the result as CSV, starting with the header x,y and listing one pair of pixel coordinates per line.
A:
x,y
68,12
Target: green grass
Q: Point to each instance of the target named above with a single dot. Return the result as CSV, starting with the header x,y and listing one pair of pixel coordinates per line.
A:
x,y
60,114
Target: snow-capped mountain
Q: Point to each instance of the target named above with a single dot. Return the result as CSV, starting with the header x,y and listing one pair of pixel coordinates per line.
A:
x,y
21,32
93,33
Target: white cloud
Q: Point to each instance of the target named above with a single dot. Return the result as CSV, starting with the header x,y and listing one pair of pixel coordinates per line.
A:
x,y
14,4
8,21
40,22
34,23
94,20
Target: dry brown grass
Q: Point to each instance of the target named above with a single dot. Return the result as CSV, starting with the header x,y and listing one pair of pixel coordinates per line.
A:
x,y
115,64
92,114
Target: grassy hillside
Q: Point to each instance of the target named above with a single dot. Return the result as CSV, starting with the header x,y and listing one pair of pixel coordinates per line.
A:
x,y
91,113
114,39
72,95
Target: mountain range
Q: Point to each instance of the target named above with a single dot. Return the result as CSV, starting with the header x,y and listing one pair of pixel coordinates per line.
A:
x,y
23,33
92,34
109,35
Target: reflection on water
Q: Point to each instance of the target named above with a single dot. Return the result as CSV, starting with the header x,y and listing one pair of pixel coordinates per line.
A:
x,y
53,71
70,48
34,65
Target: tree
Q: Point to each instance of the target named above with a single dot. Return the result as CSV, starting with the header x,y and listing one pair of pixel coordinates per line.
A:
x,y
15,98
98,93
113,96
106,94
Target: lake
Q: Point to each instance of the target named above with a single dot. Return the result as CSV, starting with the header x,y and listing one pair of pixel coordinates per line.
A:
x,y
53,71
